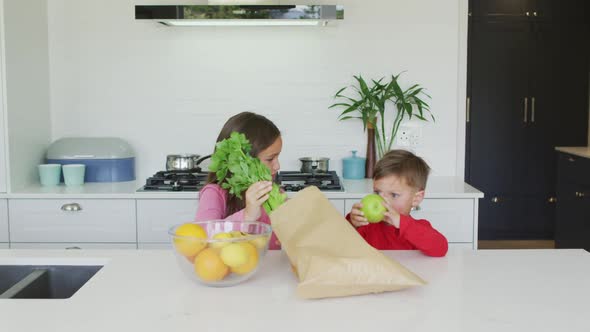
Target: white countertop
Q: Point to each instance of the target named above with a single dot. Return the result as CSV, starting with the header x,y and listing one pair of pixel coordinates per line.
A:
x,y
582,151
438,187
510,290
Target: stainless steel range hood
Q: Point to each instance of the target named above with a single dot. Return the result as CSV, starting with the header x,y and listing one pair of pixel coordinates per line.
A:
x,y
240,15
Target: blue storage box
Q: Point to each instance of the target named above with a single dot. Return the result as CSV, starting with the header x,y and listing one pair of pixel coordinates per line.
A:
x,y
107,159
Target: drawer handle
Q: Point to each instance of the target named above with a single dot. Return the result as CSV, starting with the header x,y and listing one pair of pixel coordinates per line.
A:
x,y
571,159
73,248
580,194
72,207
552,200
496,199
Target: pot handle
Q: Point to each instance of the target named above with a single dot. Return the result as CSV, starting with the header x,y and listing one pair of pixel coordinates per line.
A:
x,y
201,159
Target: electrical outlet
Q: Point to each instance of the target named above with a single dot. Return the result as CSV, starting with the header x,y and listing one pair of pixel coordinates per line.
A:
x,y
415,136
403,137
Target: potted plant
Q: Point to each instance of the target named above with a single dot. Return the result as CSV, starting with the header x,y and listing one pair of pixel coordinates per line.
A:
x,y
368,104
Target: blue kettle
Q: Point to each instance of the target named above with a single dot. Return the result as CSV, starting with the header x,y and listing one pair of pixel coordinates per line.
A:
x,y
353,167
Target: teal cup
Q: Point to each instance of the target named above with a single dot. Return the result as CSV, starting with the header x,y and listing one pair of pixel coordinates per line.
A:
x,y
74,174
49,174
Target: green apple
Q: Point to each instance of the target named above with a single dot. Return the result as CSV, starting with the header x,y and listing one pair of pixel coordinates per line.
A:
x,y
373,208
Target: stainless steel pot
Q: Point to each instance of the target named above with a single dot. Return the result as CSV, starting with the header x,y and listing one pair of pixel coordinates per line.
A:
x,y
184,162
314,165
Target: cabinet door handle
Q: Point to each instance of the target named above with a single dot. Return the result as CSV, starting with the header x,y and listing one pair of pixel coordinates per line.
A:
x,y
552,200
580,194
73,248
533,109
535,14
468,115
527,13
496,199
71,207
526,109
571,159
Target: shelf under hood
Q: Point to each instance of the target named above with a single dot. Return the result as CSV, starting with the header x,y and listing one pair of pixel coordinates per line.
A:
x,y
240,15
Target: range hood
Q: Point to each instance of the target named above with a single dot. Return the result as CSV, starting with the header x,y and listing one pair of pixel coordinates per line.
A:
x,y
240,15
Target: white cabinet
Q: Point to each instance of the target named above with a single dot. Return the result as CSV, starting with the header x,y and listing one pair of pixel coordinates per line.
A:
x,y
453,217
155,217
3,220
73,246
154,246
338,204
72,221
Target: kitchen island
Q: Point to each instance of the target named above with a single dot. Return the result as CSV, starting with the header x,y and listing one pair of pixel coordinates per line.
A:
x,y
143,290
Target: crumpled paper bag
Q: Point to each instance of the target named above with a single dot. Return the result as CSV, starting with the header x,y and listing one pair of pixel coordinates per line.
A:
x,y
327,254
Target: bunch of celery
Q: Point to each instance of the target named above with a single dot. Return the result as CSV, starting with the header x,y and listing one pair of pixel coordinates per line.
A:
x,y
237,170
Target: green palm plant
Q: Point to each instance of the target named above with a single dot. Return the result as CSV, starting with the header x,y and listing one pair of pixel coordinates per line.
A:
x,y
369,106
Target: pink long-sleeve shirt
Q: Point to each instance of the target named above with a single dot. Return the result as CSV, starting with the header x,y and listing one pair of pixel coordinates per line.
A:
x,y
212,205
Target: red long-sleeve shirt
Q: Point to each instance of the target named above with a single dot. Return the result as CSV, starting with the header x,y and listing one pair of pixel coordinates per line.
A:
x,y
412,234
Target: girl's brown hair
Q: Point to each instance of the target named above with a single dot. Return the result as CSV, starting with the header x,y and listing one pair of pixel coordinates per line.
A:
x,y
404,164
260,131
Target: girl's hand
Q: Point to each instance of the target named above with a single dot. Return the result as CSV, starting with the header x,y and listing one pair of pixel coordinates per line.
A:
x,y
256,195
391,217
357,217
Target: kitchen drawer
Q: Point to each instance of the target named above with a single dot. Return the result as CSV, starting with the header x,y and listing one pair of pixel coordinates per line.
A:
x,y
40,220
453,217
3,220
573,169
155,217
73,246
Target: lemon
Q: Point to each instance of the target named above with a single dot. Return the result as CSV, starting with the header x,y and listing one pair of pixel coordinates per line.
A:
x,y
252,259
260,242
191,245
234,255
237,233
220,236
209,267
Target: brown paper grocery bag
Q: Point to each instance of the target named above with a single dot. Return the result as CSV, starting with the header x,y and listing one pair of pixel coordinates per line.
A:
x,y
328,255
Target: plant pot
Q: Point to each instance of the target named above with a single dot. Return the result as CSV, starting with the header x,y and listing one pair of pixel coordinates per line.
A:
x,y
371,155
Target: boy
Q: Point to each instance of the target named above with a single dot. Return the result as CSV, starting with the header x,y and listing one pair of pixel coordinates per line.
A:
x,y
400,178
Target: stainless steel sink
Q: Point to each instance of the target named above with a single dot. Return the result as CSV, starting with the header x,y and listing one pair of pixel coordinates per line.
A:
x,y
43,281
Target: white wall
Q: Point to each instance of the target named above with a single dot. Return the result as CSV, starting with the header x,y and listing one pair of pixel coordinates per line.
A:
x,y
169,90
3,129
27,87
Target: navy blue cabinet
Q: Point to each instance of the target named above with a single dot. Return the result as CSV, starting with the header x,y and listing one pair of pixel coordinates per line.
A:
x,y
572,223
527,93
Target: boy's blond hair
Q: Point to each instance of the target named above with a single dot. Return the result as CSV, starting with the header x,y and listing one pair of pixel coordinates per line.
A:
x,y
404,164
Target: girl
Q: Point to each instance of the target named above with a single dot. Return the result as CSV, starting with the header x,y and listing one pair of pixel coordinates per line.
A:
x,y
216,203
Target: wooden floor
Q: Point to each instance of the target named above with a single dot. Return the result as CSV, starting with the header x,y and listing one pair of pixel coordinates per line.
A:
x,y
517,244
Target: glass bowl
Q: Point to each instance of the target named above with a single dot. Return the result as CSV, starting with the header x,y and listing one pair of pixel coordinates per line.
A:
x,y
220,253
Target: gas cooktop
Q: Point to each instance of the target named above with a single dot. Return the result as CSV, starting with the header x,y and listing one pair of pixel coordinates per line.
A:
x,y
193,181
176,181
295,181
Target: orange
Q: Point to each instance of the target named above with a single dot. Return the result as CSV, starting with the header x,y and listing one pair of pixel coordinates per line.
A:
x,y
209,266
252,262
190,244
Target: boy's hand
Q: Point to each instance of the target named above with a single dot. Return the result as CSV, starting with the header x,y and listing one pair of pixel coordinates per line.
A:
x,y
391,217
357,217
